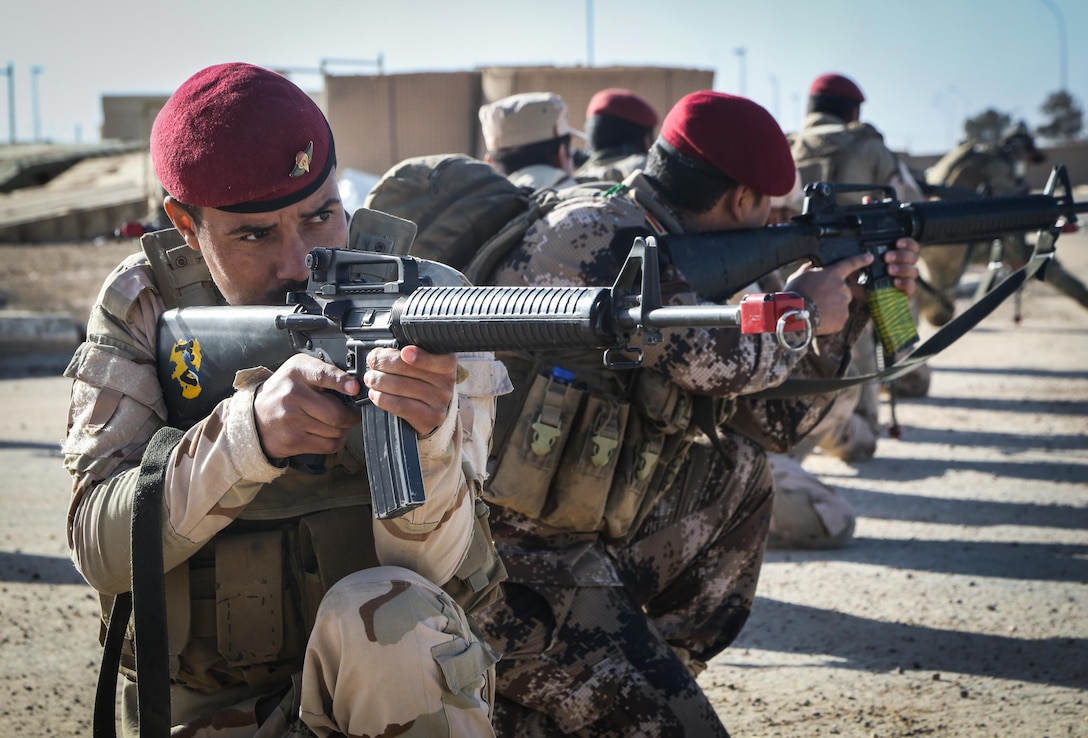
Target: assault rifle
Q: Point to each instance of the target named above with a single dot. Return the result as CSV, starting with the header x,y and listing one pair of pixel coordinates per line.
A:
x,y
827,231
359,300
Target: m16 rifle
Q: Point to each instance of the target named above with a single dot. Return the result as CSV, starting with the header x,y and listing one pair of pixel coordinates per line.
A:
x,y
827,231
359,300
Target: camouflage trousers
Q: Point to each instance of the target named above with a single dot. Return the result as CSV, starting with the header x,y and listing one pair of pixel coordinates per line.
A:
x,y
390,654
622,661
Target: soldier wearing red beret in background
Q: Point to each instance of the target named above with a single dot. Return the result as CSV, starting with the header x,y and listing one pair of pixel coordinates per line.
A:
x,y
619,130
353,631
834,145
633,544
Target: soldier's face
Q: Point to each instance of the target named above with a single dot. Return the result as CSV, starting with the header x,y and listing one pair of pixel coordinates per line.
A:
x,y
255,259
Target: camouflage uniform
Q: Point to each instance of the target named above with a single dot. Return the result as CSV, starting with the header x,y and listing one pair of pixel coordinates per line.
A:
x,y
985,169
603,635
611,165
540,176
225,503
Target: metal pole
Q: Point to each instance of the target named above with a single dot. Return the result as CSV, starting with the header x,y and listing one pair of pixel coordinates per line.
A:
x,y
1063,56
741,52
35,72
589,33
11,101
774,87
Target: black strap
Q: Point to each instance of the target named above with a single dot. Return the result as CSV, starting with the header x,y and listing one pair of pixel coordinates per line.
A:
x,y
104,723
942,339
705,418
147,604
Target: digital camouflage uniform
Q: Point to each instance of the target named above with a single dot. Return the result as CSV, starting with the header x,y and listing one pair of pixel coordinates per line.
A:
x,y
602,631
983,168
385,624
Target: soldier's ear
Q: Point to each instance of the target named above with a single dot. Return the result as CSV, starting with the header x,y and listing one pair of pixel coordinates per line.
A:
x,y
183,221
735,200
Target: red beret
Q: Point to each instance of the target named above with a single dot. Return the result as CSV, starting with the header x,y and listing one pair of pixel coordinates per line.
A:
x,y
241,138
836,85
623,104
735,136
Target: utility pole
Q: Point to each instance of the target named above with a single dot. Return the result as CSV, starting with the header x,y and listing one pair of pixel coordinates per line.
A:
x,y
589,33
740,51
774,88
35,102
1063,56
11,101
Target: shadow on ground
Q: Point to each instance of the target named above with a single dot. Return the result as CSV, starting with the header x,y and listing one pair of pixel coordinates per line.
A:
x,y
870,645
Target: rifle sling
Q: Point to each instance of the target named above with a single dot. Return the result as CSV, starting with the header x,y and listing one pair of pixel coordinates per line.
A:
x,y
146,602
939,341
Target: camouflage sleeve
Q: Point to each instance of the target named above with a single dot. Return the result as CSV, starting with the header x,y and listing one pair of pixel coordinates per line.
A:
x,y
116,407
780,424
433,539
586,245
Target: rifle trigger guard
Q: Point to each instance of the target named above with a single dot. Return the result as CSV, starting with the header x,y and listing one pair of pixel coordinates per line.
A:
x,y
780,329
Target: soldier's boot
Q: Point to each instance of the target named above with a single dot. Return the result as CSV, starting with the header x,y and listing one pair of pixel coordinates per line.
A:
x,y
914,384
807,513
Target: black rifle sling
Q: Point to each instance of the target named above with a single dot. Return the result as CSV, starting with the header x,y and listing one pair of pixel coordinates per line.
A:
x,y
104,724
146,602
939,341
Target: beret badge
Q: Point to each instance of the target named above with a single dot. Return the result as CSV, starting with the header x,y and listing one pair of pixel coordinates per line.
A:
x,y
302,161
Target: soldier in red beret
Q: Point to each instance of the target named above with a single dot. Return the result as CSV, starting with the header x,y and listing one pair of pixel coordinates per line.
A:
x,y
277,627
632,540
834,145
619,130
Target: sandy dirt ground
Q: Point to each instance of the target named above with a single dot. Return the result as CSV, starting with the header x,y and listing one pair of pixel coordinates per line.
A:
x,y
960,608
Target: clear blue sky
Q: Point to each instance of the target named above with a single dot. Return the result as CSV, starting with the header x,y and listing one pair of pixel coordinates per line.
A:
x,y
924,64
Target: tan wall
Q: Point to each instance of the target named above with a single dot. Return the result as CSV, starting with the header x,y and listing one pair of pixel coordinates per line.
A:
x,y
380,120
129,117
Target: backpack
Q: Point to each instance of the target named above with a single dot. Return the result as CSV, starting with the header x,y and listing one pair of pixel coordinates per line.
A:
x,y
467,214
820,152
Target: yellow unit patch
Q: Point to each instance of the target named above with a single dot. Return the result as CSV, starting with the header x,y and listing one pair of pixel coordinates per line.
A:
x,y
186,357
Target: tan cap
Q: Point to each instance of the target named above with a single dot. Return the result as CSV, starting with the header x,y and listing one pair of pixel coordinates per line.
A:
x,y
528,118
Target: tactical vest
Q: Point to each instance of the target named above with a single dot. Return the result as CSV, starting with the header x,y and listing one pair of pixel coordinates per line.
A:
x,y
299,536
585,449
821,152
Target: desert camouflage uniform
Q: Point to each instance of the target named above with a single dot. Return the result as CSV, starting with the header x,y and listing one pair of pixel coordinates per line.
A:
x,y
540,176
605,638
386,629
612,164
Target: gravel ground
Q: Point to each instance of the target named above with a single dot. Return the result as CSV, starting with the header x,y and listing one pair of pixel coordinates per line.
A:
x,y
958,610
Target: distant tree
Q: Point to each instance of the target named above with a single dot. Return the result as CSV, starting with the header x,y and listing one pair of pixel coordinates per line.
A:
x,y
987,126
1065,115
